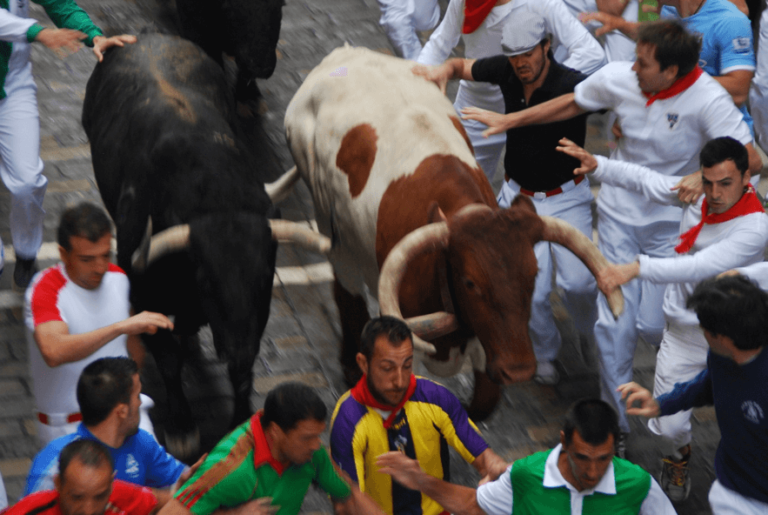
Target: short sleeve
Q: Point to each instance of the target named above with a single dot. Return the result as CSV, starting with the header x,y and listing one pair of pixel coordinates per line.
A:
x,y
491,69
495,498
130,499
163,469
43,298
595,93
327,477
722,118
736,47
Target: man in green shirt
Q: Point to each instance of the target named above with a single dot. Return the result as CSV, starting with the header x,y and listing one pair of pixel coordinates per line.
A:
x,y
579,476
21,168
267,464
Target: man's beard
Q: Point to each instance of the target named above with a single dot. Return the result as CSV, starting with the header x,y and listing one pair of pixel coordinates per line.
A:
x,y
376,395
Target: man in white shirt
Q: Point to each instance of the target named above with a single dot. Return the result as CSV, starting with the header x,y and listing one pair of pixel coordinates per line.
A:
x,y
728,228
667,108
76,312
562,480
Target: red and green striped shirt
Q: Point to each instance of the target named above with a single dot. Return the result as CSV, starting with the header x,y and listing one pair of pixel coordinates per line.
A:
x,y
241,468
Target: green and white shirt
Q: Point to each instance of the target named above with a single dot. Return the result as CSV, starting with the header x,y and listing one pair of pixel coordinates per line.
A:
x,y
241,468
534,485
17,29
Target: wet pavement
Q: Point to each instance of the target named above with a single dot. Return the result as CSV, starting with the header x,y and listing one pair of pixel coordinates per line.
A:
x,y
302,337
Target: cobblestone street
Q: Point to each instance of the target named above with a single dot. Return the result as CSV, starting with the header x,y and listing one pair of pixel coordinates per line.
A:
x,y
302,338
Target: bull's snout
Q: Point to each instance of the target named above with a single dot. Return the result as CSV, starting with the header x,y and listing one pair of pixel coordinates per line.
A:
x,y
514,373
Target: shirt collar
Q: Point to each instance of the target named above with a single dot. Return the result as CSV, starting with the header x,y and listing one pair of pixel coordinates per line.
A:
x,y
554,479
676,88
261,452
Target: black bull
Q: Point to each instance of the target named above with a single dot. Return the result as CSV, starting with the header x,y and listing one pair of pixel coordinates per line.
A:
x,y
246,29
159,115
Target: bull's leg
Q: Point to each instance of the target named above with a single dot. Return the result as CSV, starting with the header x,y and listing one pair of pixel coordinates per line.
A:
x,y
354,315
485,398
241,376
182,437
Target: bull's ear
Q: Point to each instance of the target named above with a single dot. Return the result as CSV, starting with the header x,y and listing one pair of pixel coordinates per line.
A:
x,y
524,202
436,214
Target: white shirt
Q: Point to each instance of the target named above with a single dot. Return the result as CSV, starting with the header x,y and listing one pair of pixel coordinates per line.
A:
x,y
666,136
496,498
719,247
584,52
53,296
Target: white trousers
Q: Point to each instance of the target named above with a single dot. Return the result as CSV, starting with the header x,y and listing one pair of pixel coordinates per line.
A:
x,y
402,18
725,501
617,339
46,434
487,150
21,168
572,277
681,357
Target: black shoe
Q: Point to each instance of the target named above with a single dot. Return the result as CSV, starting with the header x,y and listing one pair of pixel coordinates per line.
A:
x,y
23,272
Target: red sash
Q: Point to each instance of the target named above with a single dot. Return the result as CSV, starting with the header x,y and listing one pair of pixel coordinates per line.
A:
x,y
363,395
677,87
475,12
747,204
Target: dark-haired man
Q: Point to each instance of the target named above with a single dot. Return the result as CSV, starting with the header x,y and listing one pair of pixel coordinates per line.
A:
x,y
267,464
579,476
528,75
390,409
108,395
76,312
726,229
733,313
668,109
86,486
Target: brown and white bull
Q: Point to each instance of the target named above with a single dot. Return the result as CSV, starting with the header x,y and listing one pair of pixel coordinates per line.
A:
x,y
386,158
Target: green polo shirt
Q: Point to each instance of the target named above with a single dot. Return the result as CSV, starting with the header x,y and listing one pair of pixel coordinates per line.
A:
x,y
241,468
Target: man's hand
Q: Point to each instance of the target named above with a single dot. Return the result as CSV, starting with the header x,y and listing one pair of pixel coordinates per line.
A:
x,y
633,393
690,188
145,322
62,41
610,22
403,469
613,276
440,75
497,123
588,161
101,44
490,466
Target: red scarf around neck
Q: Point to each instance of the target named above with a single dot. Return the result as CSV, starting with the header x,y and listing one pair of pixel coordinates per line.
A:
x,y
363,395
747,204
475,12
676,88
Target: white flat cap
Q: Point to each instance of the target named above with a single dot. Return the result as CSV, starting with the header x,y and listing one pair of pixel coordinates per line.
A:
x,y
522,33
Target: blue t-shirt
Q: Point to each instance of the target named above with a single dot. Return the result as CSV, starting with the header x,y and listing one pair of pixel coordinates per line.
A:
x,y
726,43
740,396
140,460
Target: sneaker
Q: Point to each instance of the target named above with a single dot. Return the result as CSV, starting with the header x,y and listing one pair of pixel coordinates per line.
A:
x,y
23,272
674,478
621,445
546,373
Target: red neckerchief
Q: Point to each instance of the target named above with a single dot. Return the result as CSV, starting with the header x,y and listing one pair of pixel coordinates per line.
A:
x,y
747,204
475,12
677,87
363,395
261,452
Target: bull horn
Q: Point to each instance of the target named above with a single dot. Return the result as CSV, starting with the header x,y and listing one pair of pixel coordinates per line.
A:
x,y
471,208
431,326
170,240
557,231
424,239
141,254
297,233
283,186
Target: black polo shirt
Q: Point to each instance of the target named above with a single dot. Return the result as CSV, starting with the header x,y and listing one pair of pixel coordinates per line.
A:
x,y
531,158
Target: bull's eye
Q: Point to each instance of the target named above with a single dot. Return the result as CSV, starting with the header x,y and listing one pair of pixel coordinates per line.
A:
x,y
469,284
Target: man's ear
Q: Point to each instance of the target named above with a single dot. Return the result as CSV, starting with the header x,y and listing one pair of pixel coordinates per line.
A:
x,y
362,362
122,410
562,438
57,482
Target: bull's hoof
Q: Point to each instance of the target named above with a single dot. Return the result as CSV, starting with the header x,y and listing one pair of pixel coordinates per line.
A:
x,y
184,447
